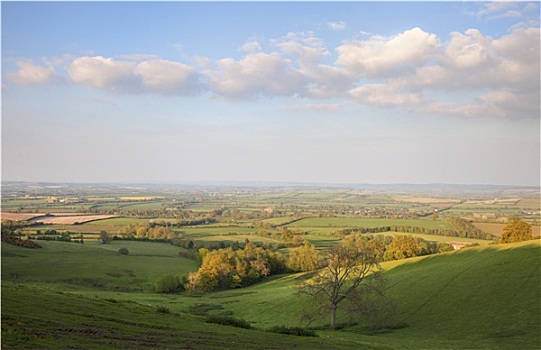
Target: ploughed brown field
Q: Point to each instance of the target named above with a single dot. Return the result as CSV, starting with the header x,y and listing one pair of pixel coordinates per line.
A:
x,y
496,229
55,218
19,216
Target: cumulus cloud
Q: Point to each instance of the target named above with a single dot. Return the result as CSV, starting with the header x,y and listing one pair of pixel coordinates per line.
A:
x,y
104,73
467,50
340,25
29,74
501,75
379,57
472,61
257,74
413,69
153,76
324,81
305,47
167,77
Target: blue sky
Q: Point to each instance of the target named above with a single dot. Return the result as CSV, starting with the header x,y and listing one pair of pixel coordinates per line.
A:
x,y
352,92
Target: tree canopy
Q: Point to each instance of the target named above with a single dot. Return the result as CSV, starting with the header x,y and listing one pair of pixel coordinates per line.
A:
x,y
303,258
349,266
516,231
228,268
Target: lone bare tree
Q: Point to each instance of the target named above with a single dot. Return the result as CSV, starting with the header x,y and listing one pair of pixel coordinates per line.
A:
x,y
350,274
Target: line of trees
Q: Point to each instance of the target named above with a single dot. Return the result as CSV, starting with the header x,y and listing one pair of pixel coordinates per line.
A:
x,y
148,231
466,231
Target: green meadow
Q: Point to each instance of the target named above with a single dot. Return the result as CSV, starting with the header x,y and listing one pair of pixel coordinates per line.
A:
x,y
341,222
89,296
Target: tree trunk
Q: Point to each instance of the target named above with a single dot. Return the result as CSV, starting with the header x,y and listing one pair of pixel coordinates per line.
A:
x,y
333,317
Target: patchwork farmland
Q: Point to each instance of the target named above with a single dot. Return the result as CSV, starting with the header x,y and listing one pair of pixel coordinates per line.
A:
x,y
115,252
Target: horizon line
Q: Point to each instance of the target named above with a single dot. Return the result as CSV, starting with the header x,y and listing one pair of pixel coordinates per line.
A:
x,y
257,183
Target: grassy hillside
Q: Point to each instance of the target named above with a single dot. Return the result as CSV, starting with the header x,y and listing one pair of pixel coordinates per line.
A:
x,y
484,297
94,266
88,296
37,318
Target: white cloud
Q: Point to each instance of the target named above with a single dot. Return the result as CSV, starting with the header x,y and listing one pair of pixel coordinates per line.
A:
x,y
153,76
413,69
467,50
486,69
167,77
104,73
251,46
379,57
495,10
305,47
29,74
257,74
340,25
324,81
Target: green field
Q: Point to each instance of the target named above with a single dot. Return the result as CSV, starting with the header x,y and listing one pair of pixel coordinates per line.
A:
x,y
485,297
439,239
196,232
332,224
92,265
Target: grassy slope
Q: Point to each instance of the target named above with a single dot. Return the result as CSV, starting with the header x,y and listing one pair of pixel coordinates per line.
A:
x,y
486,297
38,318
91,265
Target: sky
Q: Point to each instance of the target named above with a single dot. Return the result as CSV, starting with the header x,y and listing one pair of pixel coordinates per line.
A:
x,y
311,92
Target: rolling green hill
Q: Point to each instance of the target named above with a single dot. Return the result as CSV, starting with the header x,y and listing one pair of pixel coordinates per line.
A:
x,y
485,297
482,297
88,296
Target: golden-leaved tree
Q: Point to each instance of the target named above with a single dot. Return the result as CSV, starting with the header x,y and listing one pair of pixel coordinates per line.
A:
x,y
516,231
228,268
303,258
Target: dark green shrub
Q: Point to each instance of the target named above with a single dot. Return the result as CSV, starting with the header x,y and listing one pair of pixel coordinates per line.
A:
x,y
229,321
14,240
168,284
163,310
298,331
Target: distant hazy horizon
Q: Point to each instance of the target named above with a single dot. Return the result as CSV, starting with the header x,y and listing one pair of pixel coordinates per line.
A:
x,y
278,184
280,92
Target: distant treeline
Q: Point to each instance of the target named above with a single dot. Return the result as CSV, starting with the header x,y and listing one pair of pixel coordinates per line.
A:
x,y
463,229
464,226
